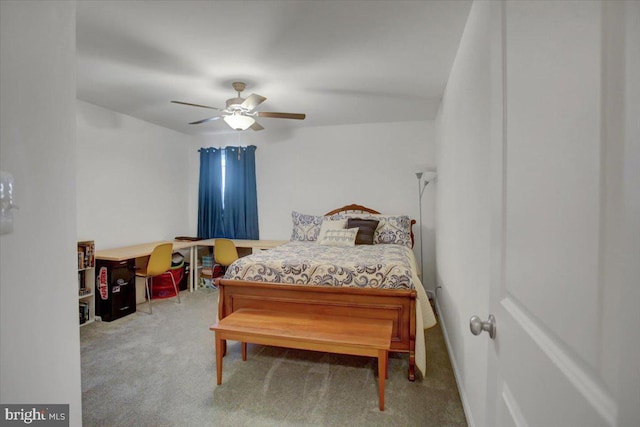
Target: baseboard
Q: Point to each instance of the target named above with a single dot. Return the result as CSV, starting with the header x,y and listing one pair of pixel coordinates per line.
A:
x,y
454,366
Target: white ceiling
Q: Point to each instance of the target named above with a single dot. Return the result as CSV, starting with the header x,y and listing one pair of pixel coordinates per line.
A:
x,y
340,62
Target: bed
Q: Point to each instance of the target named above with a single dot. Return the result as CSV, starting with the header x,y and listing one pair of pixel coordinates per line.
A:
x,y
315,275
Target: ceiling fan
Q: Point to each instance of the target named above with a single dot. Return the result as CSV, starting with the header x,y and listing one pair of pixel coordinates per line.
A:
x,y
239,112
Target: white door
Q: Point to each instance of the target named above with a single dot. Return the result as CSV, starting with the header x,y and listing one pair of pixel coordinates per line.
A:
x,y
558,219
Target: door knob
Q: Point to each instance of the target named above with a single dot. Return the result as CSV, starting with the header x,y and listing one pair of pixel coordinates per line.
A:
x,y
477,325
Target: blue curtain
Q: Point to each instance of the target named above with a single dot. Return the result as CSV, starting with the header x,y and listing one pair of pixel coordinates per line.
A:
x,y
210,219
240,194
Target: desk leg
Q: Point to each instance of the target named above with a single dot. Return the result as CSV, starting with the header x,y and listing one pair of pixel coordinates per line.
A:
x,y
191,269
194,266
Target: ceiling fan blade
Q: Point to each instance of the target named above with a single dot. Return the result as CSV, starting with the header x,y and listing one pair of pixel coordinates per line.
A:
x,y
297,116
253,101
256,126
210,119
197,105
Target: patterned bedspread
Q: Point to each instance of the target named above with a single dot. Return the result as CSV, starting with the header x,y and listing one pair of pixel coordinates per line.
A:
x,y
383,266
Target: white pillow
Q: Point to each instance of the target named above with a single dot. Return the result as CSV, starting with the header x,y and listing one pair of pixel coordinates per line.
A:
x,y
343,237
331,224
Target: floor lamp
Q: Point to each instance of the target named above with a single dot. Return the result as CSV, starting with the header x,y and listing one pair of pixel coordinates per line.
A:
x,y
422,185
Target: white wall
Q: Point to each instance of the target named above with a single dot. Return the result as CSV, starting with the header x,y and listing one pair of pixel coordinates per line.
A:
x,y
314,170
39,334
629,374
463,208
132,179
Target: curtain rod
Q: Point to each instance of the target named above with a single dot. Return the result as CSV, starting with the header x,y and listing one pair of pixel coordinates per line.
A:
x,y
225,148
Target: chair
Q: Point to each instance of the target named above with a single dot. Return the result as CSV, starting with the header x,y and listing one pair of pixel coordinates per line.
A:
x,y
224,252
159,263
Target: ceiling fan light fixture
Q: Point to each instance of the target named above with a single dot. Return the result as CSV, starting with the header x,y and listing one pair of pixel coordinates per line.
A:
x,y
239,122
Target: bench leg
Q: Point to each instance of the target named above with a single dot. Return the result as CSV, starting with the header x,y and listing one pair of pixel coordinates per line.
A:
x,y
220,345
244,351
382,373
386,376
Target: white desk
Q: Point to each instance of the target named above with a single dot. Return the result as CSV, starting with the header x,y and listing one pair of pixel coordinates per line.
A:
x,y
248,244
136,251
145,249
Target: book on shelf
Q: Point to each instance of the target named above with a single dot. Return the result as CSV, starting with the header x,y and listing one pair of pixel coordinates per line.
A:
x,y
86,255
84,312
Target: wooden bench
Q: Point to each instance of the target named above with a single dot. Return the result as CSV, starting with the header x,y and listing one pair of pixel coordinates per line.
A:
x,y
333,334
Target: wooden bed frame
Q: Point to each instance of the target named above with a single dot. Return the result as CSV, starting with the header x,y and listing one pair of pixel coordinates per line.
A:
x,y
399,306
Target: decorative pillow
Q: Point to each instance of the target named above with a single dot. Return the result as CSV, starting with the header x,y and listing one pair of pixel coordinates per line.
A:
x,y
305,227
366,229
392,229
343,237
331,224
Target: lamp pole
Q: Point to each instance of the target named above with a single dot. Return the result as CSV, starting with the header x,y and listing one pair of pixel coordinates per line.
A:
x,y
421,189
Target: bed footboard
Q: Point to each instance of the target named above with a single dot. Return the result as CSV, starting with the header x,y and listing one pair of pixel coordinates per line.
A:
x,y
399,306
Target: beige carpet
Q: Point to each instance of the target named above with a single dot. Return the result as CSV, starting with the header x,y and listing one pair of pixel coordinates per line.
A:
x,y
159,370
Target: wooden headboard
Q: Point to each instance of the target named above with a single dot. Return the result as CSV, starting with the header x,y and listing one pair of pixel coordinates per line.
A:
x,y
354,208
